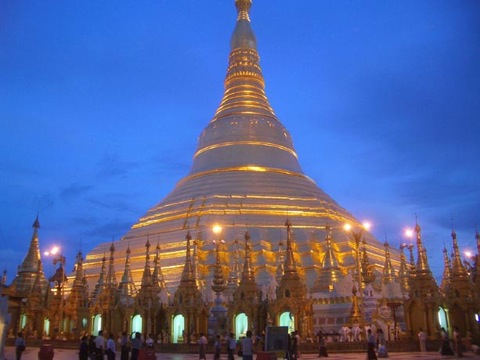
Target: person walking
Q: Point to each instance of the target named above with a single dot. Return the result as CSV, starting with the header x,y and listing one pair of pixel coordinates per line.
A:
x,y
247,346
202,350
422,337
136,345
83,350
111,350
293,346
217,348
92,349
232,346
457,342
446,349
124,346
19,346
371,355
322,344
100,345
382,344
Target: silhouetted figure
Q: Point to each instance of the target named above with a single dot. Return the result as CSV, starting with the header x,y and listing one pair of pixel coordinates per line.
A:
x,y
322,345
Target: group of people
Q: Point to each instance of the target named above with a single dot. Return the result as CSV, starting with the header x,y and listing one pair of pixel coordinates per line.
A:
x,y
453,346
95,347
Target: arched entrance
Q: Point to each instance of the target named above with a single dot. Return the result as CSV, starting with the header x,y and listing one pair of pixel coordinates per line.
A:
x,y
137,323
241,325
178,328
287,319
97,324
442,318
46,328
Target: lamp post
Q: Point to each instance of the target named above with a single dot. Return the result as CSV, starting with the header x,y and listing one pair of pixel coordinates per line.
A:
x,y
59,278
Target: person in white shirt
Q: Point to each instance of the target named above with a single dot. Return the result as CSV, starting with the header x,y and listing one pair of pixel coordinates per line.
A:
x,y
423,339
149,343
202,341
111,351
100,345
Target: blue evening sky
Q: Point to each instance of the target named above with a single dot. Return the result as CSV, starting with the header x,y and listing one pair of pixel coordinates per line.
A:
x,y
101,103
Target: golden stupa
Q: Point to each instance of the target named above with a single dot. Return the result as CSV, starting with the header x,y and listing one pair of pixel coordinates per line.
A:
x,y
245,176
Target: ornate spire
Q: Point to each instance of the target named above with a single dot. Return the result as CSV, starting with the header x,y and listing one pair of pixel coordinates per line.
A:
x,y
330,273
404,272
147,274
458,270
290,266
99,286
245,127
291,285
111,281
235,271
157,276
280,262
247,292
367,273
27,271
77,301
355,314
422,262
126,288
218,284
388,270
247,273
446,271
188,274
4,277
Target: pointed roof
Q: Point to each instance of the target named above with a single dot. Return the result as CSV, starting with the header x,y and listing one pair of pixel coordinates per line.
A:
x,y
291,284
446,271
422,261
111,280
126,288
404,272
158,279
280,262
388,270
458,270
100,285
27,270
78,297
329,273
147,273
247,291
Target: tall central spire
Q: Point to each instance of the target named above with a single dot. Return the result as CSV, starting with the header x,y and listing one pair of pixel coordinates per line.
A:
x,y
245,134
245,171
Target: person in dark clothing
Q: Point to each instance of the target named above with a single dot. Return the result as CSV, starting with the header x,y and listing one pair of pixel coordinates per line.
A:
x,y
446,349
372,341
136,345
92,348
322,345
124,346
83,350
19,346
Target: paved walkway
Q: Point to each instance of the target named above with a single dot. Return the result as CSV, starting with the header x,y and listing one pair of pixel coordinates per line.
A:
x,y
65,354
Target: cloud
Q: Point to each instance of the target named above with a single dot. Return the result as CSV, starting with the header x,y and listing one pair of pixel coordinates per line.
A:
x,y
113,203
110,165
74,190
105,231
